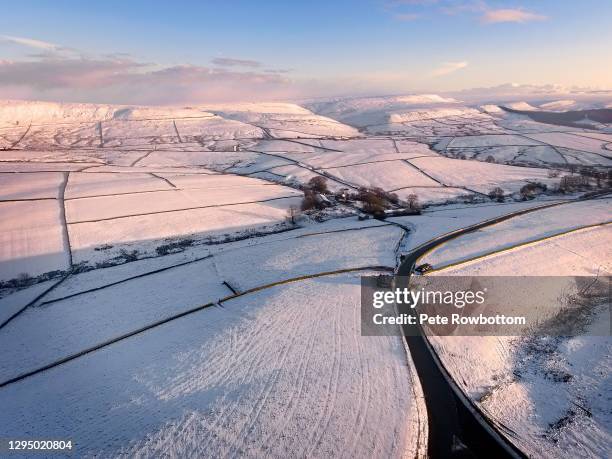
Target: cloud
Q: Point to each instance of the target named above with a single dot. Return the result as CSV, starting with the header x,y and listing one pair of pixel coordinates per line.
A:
x,y
278,70
510,15
449,67
488,15
123,80
57,72
30,43
229,62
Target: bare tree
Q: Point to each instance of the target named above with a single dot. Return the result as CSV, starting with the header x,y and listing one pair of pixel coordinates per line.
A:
x,y
413,202
373,203
318,184
292,213
497,194
309,201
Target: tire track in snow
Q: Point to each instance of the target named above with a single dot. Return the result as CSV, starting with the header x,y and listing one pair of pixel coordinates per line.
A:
x,y
261,352
182,314
256,410
364,402
322,423
305,358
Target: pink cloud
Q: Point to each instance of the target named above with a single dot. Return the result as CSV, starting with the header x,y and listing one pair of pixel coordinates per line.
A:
x,y
449,67
510,15
230,62
127,81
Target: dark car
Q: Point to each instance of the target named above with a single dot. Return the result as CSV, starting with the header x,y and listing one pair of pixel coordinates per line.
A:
x,y
422,269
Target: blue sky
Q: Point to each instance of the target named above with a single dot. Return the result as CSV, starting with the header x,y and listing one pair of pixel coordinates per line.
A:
x,y
218,50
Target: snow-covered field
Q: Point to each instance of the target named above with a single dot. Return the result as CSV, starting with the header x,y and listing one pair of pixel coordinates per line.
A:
x,y
551,392
154,249
32,240
479,176
283,372
521,230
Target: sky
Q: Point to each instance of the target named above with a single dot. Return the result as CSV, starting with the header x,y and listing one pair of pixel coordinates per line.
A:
x,y
150,52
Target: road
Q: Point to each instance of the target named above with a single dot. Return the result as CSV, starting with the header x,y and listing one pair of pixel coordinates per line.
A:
x,y
457,427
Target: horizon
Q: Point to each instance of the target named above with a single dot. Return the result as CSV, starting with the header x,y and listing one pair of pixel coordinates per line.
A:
x,y
158,55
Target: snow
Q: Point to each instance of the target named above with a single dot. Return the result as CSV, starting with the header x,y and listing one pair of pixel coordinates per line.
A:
x,y
10,136
522,229
36,112
434,195
215,128
592,255
297,175
521,106
150,169
30,186
15,301
125,205
386,175
138,132
513,385
31,238
365,111
492,109
595,135
81,184
100,277
559,105
435,222
313,254
284,120
571,141
145,233
304,145
491,140
479,176
43,166
233,380
158,206
41,335
70,135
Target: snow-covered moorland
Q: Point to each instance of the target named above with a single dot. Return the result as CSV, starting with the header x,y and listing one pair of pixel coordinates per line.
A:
x,y
549,392
184,281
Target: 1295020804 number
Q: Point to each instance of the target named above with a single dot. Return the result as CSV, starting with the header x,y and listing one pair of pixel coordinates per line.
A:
x,y
35,445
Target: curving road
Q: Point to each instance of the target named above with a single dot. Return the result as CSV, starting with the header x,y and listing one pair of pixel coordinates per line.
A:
x,y
457,427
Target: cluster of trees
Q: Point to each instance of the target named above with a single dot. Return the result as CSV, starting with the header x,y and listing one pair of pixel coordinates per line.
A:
x,y
497,194
313,198
599,176
313,190
530,190
375,200
572,182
